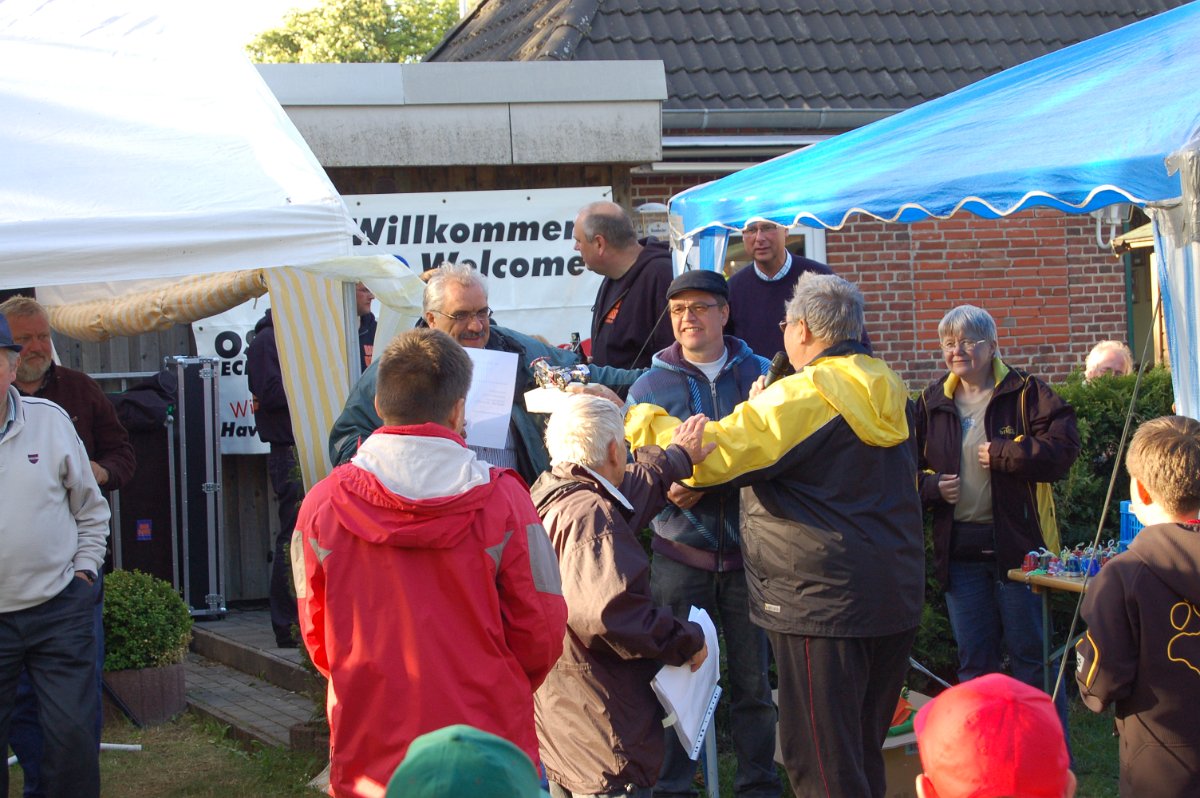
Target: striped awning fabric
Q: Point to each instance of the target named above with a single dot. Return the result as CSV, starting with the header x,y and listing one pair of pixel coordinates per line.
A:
x,y
174,302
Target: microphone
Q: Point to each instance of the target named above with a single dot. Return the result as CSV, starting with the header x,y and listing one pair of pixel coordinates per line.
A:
x,y
780,367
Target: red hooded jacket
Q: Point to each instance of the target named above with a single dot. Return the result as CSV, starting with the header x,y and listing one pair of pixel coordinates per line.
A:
x,y
429,595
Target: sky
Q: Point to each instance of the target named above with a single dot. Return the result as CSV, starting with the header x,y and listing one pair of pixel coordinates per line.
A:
x,y
227,22
239,21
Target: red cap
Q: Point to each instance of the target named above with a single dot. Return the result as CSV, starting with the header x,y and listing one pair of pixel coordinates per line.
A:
x,y
993,736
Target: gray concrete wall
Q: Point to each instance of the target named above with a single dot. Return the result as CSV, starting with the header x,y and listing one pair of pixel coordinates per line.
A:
x,y
474,114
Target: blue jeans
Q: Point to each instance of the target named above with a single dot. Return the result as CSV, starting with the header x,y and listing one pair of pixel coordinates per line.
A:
x,y
56,643
752,710
989,614
25,729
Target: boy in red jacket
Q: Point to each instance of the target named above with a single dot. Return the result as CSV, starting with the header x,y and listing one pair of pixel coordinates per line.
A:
x,y
428,591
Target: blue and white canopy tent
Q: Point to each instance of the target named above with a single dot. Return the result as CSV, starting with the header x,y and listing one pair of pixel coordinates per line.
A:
x,y
1113,119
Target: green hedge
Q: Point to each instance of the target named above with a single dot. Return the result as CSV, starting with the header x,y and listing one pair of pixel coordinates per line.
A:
x,y
1100,408
146,623
934,647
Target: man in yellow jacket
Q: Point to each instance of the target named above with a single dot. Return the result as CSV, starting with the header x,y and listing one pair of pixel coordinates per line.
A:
x,y
832,535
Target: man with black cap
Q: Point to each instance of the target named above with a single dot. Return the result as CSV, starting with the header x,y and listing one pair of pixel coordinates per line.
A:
x,y
112,462
697,552
53,526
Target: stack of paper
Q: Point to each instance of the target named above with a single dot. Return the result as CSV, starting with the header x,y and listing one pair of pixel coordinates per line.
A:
x,y
690,698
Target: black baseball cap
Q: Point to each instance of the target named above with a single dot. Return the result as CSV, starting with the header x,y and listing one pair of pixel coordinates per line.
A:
x,y
700,280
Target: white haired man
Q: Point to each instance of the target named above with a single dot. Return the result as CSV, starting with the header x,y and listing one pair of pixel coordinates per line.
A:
x,y
1108,357
598,721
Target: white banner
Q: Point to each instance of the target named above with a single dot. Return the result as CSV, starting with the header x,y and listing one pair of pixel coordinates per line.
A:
x,y
521,242
225,337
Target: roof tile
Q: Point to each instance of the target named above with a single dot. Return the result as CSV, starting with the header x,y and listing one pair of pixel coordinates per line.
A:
x,y
774,54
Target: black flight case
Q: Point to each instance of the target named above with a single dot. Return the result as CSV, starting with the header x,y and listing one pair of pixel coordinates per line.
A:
x,y
194,464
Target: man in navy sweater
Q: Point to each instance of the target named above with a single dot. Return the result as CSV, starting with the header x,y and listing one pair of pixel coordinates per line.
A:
x,y
759,291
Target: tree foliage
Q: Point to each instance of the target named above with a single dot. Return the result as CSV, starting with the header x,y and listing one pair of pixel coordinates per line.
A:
x,y
357,31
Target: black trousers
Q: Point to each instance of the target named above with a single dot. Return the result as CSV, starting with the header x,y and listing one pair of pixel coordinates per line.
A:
x,y
289,491
837,696
56,644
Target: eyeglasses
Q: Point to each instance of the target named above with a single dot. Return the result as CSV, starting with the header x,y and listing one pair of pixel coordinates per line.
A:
x,y
783,325
966,346
698,309
758,229
467,316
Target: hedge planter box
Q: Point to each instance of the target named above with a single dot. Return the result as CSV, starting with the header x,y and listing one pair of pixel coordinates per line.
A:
x,y
153,695
147,628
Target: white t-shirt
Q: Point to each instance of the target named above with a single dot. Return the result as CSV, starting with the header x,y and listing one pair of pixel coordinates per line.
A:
x,y
975,481
711,370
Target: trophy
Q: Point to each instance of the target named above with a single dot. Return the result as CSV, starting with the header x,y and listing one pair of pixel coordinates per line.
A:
x,y
547,375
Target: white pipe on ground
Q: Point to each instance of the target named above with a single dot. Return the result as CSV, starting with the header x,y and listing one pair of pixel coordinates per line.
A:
x,y
12,760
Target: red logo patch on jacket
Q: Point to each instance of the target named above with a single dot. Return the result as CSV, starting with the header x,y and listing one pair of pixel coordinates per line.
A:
x,y
33,458
612,314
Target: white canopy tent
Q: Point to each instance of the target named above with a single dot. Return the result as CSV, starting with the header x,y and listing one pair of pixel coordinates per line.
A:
x,y
135,150
131,152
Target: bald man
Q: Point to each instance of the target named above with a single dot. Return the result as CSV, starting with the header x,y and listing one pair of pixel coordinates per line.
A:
x,y
629,321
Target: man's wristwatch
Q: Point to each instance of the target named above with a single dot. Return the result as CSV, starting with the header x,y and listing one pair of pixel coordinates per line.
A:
x,y
90,576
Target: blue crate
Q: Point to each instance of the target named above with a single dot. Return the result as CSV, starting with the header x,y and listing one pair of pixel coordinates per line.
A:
x,y
1130,526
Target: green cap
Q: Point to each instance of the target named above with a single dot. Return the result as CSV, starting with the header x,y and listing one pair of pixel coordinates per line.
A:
x,y
464,761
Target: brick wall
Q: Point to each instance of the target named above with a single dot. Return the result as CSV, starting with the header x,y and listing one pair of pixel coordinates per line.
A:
x,y
1051,289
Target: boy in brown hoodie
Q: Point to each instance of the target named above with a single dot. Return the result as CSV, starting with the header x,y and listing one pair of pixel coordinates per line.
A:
x,y
1141,652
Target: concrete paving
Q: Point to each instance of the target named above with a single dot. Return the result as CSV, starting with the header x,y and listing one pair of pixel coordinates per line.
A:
x,y
239,677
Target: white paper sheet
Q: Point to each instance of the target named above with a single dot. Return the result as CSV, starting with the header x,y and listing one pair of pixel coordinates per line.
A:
x,y
490,399
692,697
545,400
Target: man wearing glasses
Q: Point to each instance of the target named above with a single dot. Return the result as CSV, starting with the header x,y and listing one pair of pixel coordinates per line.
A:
x,y
831,535
697,537
758,292
456,302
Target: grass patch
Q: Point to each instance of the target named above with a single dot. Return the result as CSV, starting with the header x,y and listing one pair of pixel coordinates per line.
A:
x,y
192,758
1097,764
1097,758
